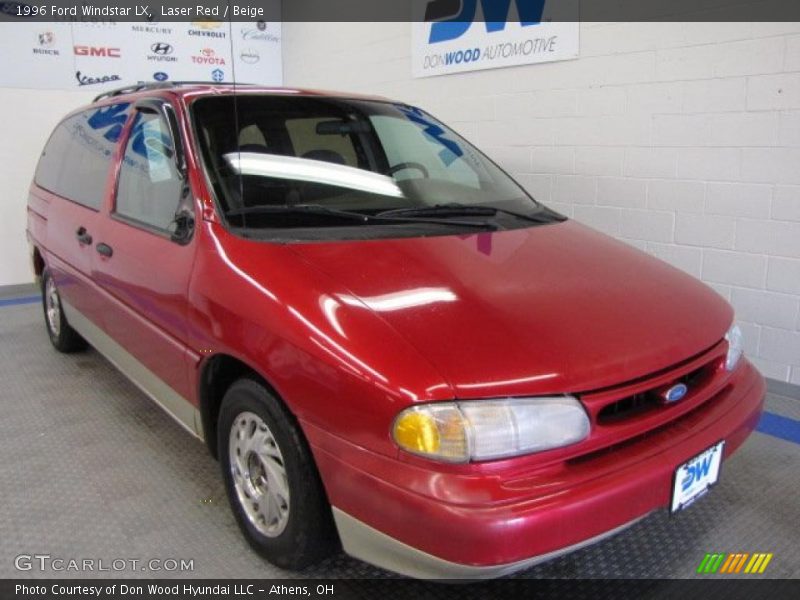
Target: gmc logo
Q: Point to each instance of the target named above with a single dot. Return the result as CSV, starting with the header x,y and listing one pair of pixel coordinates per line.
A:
x,y
97,51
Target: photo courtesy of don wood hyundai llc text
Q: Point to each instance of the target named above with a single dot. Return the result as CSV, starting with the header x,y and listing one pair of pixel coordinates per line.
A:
x,y
354,298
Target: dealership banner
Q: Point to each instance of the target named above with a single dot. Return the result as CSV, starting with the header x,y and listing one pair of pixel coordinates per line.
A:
x,y
106,54
454,36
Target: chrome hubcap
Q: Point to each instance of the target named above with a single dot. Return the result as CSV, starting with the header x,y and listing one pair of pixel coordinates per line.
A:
x,y
52,307
259,475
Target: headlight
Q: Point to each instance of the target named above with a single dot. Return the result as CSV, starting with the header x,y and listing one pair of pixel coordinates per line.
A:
x,y
487,429
735,347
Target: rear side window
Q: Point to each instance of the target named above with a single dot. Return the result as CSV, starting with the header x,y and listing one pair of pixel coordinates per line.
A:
x,y
76,160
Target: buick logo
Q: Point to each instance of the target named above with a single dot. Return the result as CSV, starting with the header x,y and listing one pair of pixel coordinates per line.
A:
x,y
675,393
161,48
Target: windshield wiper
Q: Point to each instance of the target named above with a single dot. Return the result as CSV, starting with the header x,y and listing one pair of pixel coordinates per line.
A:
x,y
455,209
319,210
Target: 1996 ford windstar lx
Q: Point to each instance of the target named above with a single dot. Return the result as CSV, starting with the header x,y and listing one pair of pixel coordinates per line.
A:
x,y
387,343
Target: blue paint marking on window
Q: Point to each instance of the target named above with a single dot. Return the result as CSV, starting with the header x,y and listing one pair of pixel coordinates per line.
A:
x,y
780,427
450,149
18,301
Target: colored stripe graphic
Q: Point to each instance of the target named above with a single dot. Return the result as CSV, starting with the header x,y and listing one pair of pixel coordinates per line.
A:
x,y
711,563
728,563
734,562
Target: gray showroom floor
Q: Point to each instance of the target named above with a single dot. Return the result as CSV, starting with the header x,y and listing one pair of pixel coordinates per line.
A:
x,y
90,468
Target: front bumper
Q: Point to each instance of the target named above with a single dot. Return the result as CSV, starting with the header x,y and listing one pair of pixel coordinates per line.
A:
x,y
450,524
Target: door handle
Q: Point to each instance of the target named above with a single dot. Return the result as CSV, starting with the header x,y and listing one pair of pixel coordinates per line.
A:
x,y
83,236
105,249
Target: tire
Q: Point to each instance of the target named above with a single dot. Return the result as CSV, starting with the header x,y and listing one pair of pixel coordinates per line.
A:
x,y
272,482
63,337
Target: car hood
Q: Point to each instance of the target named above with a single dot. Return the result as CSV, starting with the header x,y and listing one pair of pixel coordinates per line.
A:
x,y
545,309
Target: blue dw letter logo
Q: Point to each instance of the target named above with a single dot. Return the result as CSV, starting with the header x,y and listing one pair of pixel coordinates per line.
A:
x,y
454,17
695,472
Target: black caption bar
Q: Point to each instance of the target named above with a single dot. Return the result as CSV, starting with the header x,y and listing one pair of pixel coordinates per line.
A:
x,y
208,589
390,10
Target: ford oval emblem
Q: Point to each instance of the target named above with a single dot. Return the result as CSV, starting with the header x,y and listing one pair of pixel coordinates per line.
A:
x,y
675,393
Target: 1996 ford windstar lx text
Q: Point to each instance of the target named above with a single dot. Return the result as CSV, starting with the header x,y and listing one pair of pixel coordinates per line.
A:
x,y
384,339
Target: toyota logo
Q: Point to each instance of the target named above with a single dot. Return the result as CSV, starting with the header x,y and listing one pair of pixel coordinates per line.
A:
x,y
161,48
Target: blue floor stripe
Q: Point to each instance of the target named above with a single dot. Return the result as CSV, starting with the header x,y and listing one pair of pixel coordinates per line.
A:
x,y
18,301
779,427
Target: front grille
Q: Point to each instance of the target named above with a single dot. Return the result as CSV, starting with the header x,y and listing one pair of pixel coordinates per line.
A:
x,y
642,402
632,441
634,409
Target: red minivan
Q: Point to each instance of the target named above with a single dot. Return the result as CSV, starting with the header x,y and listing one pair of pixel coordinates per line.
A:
x,y
388,343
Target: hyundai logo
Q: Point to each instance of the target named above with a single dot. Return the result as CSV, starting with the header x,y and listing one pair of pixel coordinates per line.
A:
x,y
161,48
160,76
675,393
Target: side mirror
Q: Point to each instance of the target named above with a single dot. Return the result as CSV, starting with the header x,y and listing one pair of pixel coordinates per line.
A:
x,y
182,227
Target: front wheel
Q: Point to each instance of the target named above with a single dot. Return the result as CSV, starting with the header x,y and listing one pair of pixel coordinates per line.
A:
x,y
271,479
63,337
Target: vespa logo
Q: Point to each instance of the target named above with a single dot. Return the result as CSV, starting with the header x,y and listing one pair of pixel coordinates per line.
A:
x,y
84,79
452,18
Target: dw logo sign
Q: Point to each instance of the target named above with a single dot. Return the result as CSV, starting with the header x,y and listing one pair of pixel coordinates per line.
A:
x,y
452,18
451,36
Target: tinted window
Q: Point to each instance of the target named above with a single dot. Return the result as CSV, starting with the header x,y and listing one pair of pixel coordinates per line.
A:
x,y
274,151
307,143
76,160
149,186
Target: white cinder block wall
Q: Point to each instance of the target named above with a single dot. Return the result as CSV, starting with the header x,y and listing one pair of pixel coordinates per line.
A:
x,y
29,118
681,138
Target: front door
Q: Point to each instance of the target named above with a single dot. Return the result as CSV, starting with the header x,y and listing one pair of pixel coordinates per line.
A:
x,y
143,266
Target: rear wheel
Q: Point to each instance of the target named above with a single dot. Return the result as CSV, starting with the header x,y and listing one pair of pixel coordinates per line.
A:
x,y
271,479
63,337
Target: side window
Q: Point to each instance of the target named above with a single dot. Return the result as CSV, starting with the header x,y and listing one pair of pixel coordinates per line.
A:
x,y
149,187
308,143
76,160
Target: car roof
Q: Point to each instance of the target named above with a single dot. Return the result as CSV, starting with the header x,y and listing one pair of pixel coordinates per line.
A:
x,y
194,89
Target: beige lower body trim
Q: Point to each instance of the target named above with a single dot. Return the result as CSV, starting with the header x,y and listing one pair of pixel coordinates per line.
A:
x,y
370,545
175,405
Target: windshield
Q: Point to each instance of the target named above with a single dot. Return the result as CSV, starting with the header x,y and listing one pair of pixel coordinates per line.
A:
x,y
300,162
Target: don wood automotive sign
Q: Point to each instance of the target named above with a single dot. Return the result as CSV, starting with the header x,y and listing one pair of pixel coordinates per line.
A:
x,y
454,36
